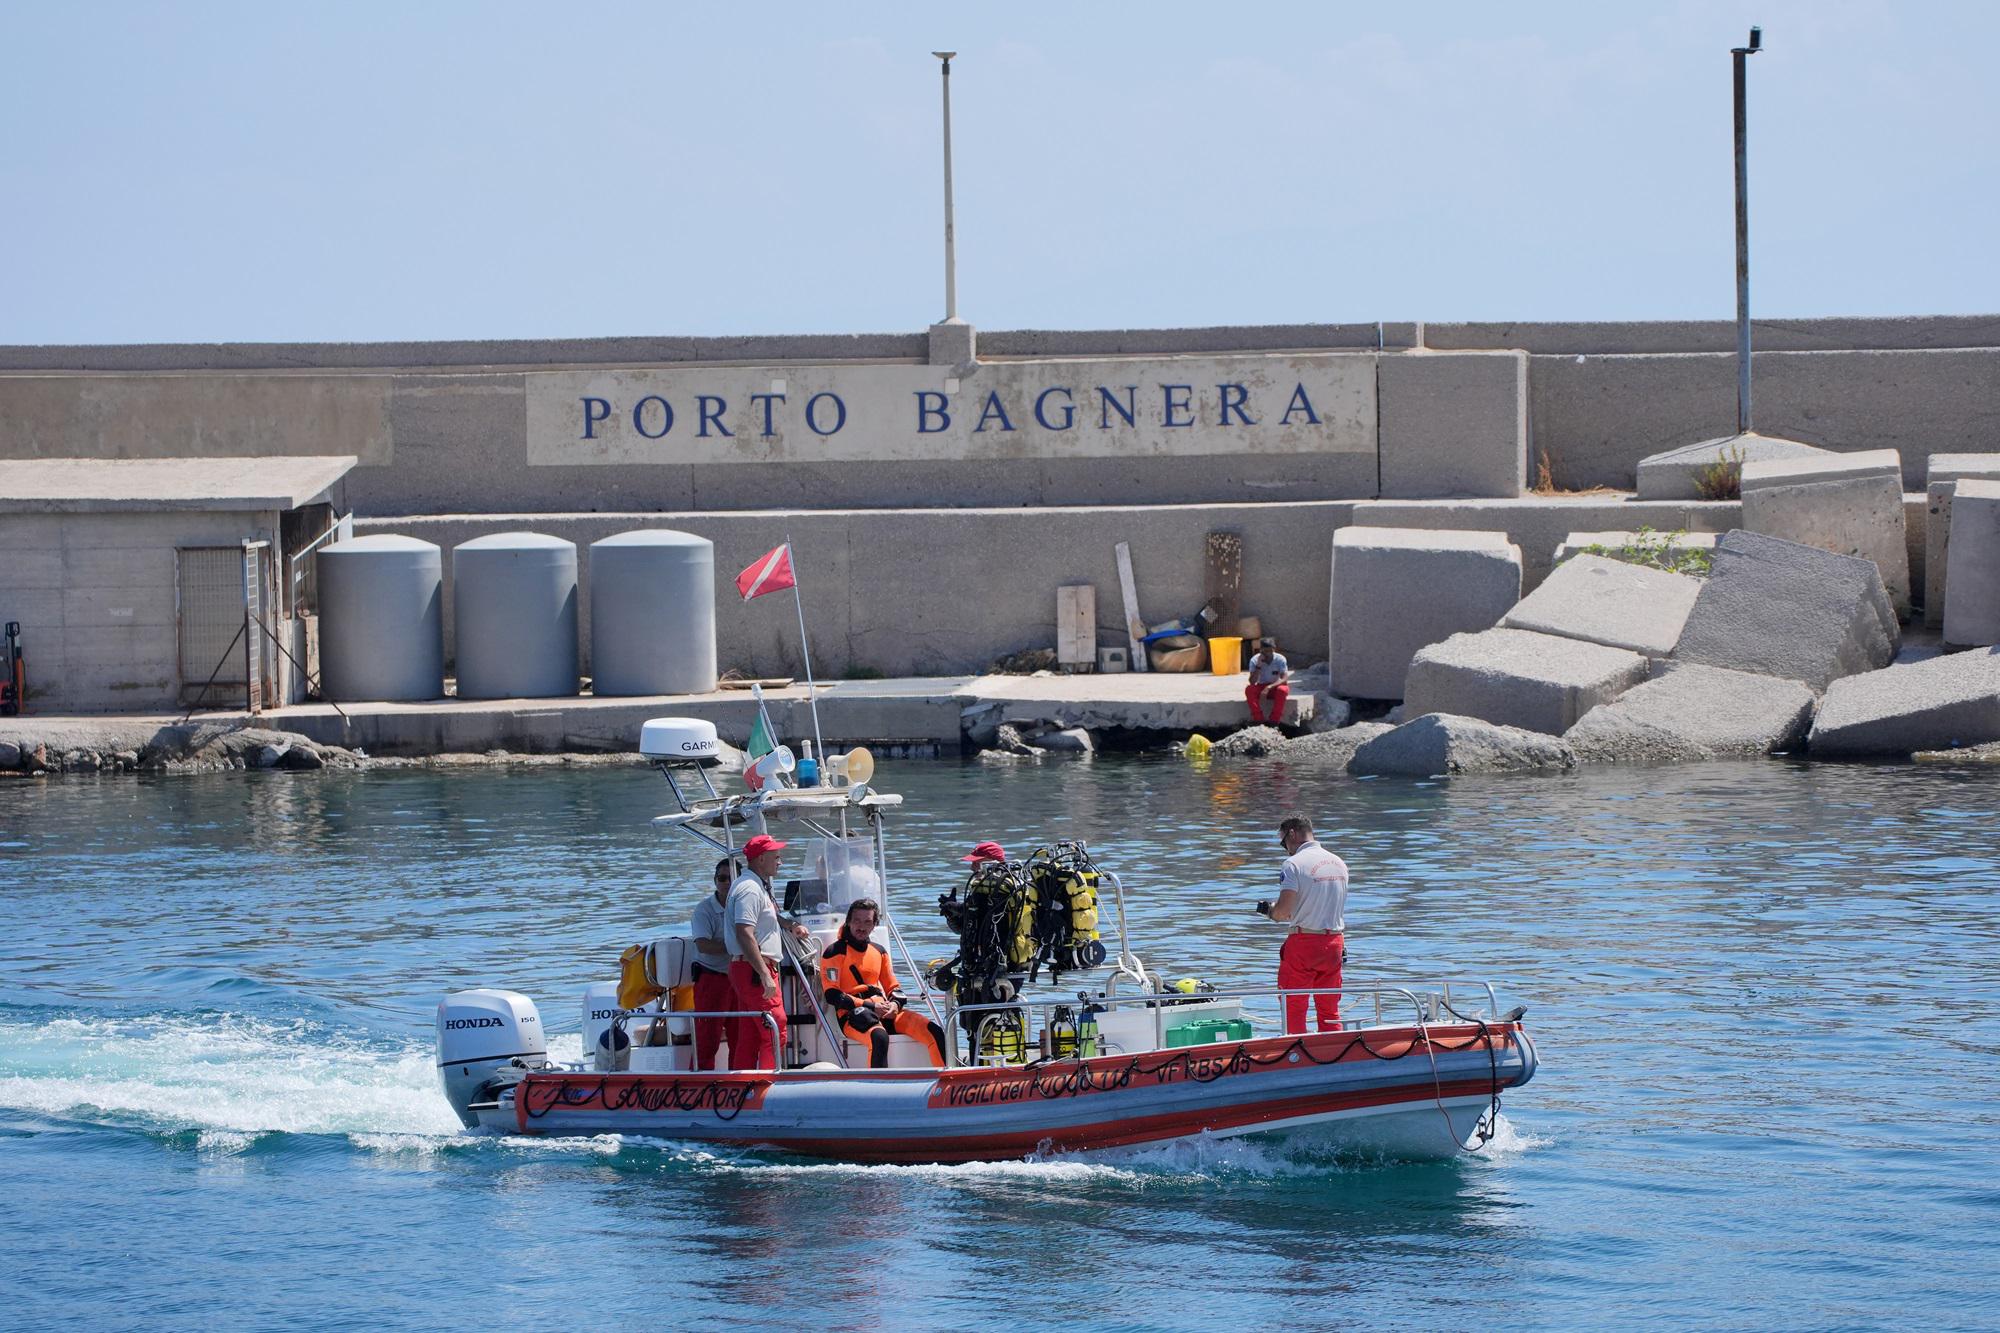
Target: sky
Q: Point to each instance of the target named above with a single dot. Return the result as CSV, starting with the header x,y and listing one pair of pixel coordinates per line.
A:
x,y
244,172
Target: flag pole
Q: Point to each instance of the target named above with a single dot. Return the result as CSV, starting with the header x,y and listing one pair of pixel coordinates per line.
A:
x,y
812,693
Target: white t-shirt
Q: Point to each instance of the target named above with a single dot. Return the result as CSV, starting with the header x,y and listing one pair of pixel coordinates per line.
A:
x,y
750,905
708,922
1268,672
1319,879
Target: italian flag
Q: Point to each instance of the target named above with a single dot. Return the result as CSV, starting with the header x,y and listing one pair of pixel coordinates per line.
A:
x,y
761,744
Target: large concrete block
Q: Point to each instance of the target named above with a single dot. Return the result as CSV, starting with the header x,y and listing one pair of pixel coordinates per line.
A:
x,y
1452,424
1972,616
1440,744
1851,504
1610,602
1780,608
1514,678
1396,589
1537,523
1672,475
1946,471
1939,704
1577,543
1696,712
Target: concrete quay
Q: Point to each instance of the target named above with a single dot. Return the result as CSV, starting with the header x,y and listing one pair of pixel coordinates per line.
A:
x,y
924,715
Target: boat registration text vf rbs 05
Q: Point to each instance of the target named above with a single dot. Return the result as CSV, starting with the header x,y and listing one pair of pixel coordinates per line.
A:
x,y
1417,1070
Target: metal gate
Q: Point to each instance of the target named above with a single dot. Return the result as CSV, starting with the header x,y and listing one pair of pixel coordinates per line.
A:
x,y
226,656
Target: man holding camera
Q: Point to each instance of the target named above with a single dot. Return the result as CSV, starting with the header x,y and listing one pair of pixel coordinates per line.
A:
x,y
1312,900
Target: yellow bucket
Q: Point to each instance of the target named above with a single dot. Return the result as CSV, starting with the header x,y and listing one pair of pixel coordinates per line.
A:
x,y
1225,656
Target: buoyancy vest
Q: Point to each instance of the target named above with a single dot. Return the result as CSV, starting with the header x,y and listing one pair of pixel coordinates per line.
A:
x,y
637,985
851,970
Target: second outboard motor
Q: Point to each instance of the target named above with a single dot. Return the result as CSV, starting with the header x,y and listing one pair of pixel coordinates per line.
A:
x,y
479,1034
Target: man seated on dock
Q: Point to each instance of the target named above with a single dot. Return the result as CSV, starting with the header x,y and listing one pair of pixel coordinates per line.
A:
x,y
863,991
1270,683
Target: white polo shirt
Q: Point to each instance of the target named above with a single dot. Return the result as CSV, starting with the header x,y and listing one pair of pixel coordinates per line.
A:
x,y
1319,879
750,905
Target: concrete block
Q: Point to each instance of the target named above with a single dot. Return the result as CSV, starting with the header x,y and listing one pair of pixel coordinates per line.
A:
x,y
952,343
1939,704
1610,602
1537,523
1452,424
1577,543
1780,608
1972,617
1671,475
1440,744
1396,589
1851,504
1514,678
1946,471
1695,712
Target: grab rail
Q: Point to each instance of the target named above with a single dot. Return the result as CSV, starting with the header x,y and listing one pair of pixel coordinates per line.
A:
x,y
623,1016
1167,1000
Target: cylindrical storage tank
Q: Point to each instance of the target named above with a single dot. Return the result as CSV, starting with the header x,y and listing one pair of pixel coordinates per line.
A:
x,y
381,619
652,613
513,604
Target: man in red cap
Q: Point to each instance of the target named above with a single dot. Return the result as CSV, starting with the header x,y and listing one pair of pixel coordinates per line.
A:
x,y
987,851
754,954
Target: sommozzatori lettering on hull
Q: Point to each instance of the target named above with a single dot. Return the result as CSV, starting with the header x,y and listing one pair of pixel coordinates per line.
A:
x,y
1181,406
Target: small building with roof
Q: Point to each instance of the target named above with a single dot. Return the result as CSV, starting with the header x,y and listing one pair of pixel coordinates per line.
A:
x,y
158,583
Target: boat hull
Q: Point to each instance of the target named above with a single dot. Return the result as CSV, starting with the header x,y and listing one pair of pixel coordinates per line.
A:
x,y
1399,1091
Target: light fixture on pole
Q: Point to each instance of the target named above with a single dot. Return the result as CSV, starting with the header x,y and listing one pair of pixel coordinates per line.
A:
x,y
1737,56
950,255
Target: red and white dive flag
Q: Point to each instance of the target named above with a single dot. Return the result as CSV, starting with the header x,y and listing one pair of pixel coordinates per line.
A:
x,y
768,573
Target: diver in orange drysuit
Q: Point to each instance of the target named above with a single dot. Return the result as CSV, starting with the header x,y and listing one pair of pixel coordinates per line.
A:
x,y
863,991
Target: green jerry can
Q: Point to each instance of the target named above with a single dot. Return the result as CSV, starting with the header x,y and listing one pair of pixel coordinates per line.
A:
x,y
1203,1031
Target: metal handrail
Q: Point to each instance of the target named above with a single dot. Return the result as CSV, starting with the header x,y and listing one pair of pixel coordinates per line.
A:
x,y
1165,1001
623,1016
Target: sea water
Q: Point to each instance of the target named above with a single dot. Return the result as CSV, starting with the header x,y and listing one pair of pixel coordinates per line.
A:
x,y
1764,996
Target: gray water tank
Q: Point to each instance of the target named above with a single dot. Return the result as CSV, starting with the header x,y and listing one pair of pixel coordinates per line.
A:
x,y
652,613
381,619
513,603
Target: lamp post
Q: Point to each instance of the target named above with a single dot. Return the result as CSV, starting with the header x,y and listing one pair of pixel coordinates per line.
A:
x,y
1737,56
950,254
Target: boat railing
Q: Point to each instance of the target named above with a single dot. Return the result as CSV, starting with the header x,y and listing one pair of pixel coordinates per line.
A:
x,y
1425,1006
656,1016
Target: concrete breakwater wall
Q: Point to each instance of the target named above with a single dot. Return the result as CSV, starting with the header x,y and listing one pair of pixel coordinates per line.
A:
x,y
1214,414
935,591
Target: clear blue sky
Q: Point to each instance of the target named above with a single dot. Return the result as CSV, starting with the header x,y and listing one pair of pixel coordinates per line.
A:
x,y
332,172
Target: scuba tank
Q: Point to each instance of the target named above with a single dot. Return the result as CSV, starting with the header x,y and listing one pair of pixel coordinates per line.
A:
x,y
1066,935
993,915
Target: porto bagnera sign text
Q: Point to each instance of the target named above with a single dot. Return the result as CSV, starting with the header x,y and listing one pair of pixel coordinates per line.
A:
x,y
1179,406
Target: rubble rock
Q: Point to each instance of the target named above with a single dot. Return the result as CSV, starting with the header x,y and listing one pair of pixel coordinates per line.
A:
x,y
302,758
268,756
1069,740
1330,712
1516,678
1696,712
1850,504
1396,589
1331,748
1007,739
1441,744
10,755
1630,742
1941,704
1252,742
1671,475
1781,608
1610,602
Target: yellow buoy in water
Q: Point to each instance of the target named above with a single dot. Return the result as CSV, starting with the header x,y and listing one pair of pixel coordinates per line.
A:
x,y
1197,747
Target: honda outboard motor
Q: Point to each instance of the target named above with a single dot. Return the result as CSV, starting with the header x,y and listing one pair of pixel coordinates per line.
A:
x,y
481,1033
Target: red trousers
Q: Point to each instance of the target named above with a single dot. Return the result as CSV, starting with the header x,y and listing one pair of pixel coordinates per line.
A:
x,y
1307,961
713,993
1254,696
750,1038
